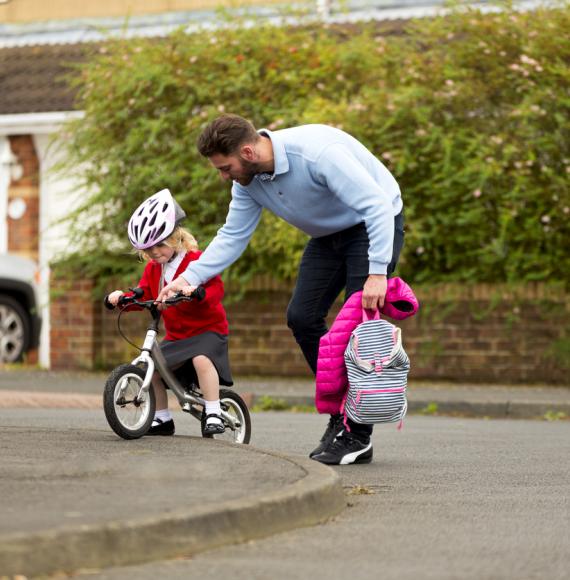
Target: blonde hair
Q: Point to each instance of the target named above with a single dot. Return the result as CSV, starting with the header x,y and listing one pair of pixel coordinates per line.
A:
x,y
179,240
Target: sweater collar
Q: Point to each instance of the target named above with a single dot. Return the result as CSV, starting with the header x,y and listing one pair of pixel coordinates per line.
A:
x,y
280,160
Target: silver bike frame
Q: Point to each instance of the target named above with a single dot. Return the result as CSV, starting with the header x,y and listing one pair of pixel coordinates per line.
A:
x,y
151,356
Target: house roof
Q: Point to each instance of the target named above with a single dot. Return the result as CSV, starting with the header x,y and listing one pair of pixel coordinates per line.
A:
x,y
35,79
35,60
32,78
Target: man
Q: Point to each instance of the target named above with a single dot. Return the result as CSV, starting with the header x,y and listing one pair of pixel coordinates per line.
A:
x,y
330,186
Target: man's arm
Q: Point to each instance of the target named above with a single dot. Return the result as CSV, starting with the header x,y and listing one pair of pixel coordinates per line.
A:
x,y
354,186
228,245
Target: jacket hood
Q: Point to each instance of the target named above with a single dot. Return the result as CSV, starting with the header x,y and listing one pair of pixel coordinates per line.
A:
x,y
400,301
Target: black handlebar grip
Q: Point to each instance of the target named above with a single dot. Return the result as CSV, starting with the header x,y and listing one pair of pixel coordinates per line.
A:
x,y
124,300
199,293
137,292
107,304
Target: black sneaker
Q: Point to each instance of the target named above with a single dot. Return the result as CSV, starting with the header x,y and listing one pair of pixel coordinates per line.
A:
x,y
163,428
346,449
333,429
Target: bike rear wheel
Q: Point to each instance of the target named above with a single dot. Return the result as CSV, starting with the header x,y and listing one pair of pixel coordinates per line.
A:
x,y
235,406
129,415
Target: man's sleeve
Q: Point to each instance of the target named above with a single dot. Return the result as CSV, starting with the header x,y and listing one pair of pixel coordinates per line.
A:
x,y
230,241
344,175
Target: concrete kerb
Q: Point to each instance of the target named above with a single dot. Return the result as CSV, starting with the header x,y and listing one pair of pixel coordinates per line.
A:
x,y
464,408
514,409
313,499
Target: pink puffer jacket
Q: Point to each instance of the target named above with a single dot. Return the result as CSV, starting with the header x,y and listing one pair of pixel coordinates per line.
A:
x,y
332,381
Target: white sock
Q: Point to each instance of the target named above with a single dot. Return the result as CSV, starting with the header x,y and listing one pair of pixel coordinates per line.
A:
x,y
164,415
213,407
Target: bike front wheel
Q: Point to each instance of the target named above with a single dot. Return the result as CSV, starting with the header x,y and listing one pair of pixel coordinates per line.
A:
x,y
128,412
238,426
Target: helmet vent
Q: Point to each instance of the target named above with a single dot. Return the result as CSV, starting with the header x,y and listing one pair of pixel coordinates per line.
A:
x,y
160,230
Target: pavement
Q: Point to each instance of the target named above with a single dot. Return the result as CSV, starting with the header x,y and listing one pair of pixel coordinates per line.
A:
x,y
48,389
157,498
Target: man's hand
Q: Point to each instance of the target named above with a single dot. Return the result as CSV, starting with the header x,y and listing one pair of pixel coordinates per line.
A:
x,y
374,291
187,290
177,285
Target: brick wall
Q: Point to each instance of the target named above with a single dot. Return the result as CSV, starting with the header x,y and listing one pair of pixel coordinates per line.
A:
x,y
23,233
472,334
75,324
475,334
492,334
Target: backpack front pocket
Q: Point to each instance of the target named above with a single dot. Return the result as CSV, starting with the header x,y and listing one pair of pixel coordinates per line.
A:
x,y
375,405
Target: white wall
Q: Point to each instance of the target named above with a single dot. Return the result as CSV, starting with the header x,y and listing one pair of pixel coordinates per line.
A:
x,y
58,194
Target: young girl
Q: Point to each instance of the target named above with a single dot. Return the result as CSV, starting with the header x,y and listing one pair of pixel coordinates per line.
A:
x,y
195,331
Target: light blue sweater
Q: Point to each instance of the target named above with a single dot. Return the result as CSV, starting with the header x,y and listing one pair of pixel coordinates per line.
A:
x,y
324,181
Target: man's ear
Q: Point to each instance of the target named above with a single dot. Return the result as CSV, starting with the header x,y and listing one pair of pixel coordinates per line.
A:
x,y
248,152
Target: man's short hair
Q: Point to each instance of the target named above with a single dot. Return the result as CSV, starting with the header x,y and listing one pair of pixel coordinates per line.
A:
x,y
225,135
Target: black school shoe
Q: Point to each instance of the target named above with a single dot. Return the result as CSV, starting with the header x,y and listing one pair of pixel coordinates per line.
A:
x,y
213,428
345,450
163,428
334,427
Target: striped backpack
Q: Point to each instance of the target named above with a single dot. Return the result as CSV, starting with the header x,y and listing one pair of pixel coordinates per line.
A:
x,y
377,367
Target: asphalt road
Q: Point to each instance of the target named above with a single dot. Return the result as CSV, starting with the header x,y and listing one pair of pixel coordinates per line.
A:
x,y
445,498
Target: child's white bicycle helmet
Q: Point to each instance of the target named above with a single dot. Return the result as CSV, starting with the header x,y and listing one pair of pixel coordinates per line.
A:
x,y
154,220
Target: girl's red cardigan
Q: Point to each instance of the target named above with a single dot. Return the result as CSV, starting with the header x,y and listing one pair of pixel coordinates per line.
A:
x,y
188,319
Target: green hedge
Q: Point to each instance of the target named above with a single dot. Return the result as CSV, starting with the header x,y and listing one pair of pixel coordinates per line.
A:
x,y
469,111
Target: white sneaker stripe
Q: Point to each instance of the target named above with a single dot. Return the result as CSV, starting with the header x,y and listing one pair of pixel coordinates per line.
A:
x,y
351,457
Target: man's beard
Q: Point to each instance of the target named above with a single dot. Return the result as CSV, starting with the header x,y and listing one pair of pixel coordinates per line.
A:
x,y
249,170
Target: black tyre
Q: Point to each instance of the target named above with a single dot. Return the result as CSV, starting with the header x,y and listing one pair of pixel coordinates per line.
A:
x,y
15,330
234,405
128,416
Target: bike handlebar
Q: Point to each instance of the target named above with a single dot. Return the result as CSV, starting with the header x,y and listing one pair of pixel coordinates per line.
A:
x,y
198,294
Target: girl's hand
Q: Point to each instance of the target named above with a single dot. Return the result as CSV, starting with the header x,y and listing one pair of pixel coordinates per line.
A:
x,y
113,298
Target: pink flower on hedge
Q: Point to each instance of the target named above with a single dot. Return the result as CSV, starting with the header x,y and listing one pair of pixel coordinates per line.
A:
x,y
420,250
545,219
477,193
